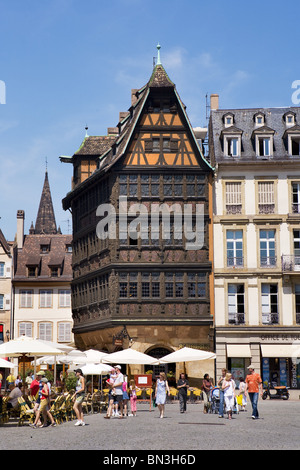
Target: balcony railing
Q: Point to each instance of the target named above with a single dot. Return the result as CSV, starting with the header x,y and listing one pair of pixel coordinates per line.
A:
x,y
235,262
236,318
290,263
268,261
270,318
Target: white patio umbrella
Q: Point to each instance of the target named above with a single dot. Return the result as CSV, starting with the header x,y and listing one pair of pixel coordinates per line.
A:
x,y
129,356
75,356
6,364
27,346
53,359
95,369
91,356
187,355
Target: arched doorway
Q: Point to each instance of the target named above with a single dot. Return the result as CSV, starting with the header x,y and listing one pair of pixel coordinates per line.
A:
x,y
168,369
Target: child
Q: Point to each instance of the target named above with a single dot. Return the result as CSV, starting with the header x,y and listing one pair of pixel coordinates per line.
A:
x,y
242,390
125,396
133,397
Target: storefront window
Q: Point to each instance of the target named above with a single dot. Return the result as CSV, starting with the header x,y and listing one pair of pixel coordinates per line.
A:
x,y
236,366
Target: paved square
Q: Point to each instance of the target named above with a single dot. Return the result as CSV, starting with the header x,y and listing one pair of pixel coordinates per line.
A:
x,y
277,429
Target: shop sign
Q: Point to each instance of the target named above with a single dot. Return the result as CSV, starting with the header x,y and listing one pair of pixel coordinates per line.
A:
x,y
280,337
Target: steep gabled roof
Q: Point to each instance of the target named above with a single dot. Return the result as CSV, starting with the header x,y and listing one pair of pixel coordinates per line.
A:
x,y
4,243
158,79
31,255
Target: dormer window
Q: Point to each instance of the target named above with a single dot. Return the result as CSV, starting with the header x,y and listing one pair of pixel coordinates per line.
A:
x,y
289,119
231,146
263,139
232,141
292,137
259,119
264,146
228,119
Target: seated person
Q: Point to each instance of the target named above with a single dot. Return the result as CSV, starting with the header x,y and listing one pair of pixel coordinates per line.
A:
x,y
15,393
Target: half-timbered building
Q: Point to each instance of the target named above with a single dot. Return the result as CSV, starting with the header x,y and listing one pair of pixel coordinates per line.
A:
x,y
138,280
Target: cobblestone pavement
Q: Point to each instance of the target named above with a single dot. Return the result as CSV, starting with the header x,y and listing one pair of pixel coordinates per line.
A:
x,y
278,428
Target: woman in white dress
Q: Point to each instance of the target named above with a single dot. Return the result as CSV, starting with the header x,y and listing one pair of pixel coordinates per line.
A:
x,y
228,386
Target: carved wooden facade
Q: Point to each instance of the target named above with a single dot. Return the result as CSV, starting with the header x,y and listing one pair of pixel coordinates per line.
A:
x,y
150,281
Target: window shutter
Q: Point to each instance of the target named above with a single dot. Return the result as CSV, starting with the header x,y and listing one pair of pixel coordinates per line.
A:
x,y
233,194
266,193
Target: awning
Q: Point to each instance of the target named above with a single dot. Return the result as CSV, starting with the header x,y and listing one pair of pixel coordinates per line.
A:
x,y
280,350
238,350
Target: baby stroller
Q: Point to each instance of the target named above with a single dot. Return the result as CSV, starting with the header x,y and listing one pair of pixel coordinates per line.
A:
x,y
215,400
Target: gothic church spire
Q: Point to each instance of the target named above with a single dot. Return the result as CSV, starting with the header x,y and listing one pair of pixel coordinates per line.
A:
x,y
45,221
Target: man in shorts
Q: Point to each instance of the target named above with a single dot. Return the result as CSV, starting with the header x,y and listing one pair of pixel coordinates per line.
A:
x,y
118,388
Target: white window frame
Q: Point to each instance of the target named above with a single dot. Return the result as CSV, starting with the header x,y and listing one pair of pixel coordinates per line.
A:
x,y
234,242
229,118
296,192
257,118
266,303
46,298
64,334
232,302
233,197
291,138
26,298
266,196
45,331
64,298
26,328
265,138
228,145
267,241
287,117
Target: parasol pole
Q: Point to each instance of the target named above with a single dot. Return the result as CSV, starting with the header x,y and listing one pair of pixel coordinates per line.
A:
x,y
54,380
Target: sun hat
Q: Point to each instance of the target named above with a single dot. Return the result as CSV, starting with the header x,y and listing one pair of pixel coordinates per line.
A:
x,y
117,367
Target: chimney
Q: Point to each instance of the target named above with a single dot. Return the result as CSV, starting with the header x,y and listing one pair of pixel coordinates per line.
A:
x,y
122,115
20,228
133,96
214,102
112,131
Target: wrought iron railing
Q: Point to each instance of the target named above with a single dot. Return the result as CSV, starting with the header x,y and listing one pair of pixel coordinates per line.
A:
x,y
290,263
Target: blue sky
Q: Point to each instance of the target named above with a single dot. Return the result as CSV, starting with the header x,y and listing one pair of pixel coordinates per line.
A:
x,y
68,63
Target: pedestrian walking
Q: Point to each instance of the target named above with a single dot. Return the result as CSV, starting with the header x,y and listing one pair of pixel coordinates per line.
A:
x,y
206,390
79,396
111,394
221,393
253,387
44,406
133,397
228,387
182,387
125,396
162,388
242,390
118,389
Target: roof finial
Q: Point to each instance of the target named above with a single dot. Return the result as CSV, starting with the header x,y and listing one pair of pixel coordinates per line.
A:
x,y
158,54
46,162
86,129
